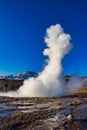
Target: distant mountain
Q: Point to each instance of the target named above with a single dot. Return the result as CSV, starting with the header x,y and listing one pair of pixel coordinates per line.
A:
x,y
20,76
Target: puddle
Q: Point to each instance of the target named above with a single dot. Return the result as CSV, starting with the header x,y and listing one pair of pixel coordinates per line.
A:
x,y
36,106
32,110
44,105
5,107
22,103
6,110
25,107
57,118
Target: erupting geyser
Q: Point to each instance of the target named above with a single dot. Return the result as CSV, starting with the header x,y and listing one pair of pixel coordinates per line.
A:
x,y
49,83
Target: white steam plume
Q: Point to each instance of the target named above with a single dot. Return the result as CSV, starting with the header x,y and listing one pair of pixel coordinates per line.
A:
x,y
75,83
49,82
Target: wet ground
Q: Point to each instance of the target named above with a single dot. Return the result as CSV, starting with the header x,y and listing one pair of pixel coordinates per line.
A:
x,y
43,113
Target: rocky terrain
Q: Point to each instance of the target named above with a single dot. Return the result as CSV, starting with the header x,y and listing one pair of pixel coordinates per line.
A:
x,y
10,85
60,113
43,113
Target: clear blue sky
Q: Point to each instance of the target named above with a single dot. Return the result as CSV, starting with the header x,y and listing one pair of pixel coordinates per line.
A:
x,y
22,29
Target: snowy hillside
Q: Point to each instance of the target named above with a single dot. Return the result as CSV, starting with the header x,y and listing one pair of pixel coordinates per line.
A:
x,y
20,76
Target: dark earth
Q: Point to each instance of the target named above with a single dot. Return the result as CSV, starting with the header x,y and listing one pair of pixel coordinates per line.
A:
x,y
43,113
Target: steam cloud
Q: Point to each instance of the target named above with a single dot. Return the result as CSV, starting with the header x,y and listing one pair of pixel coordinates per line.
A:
x,y
75,83
49,82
